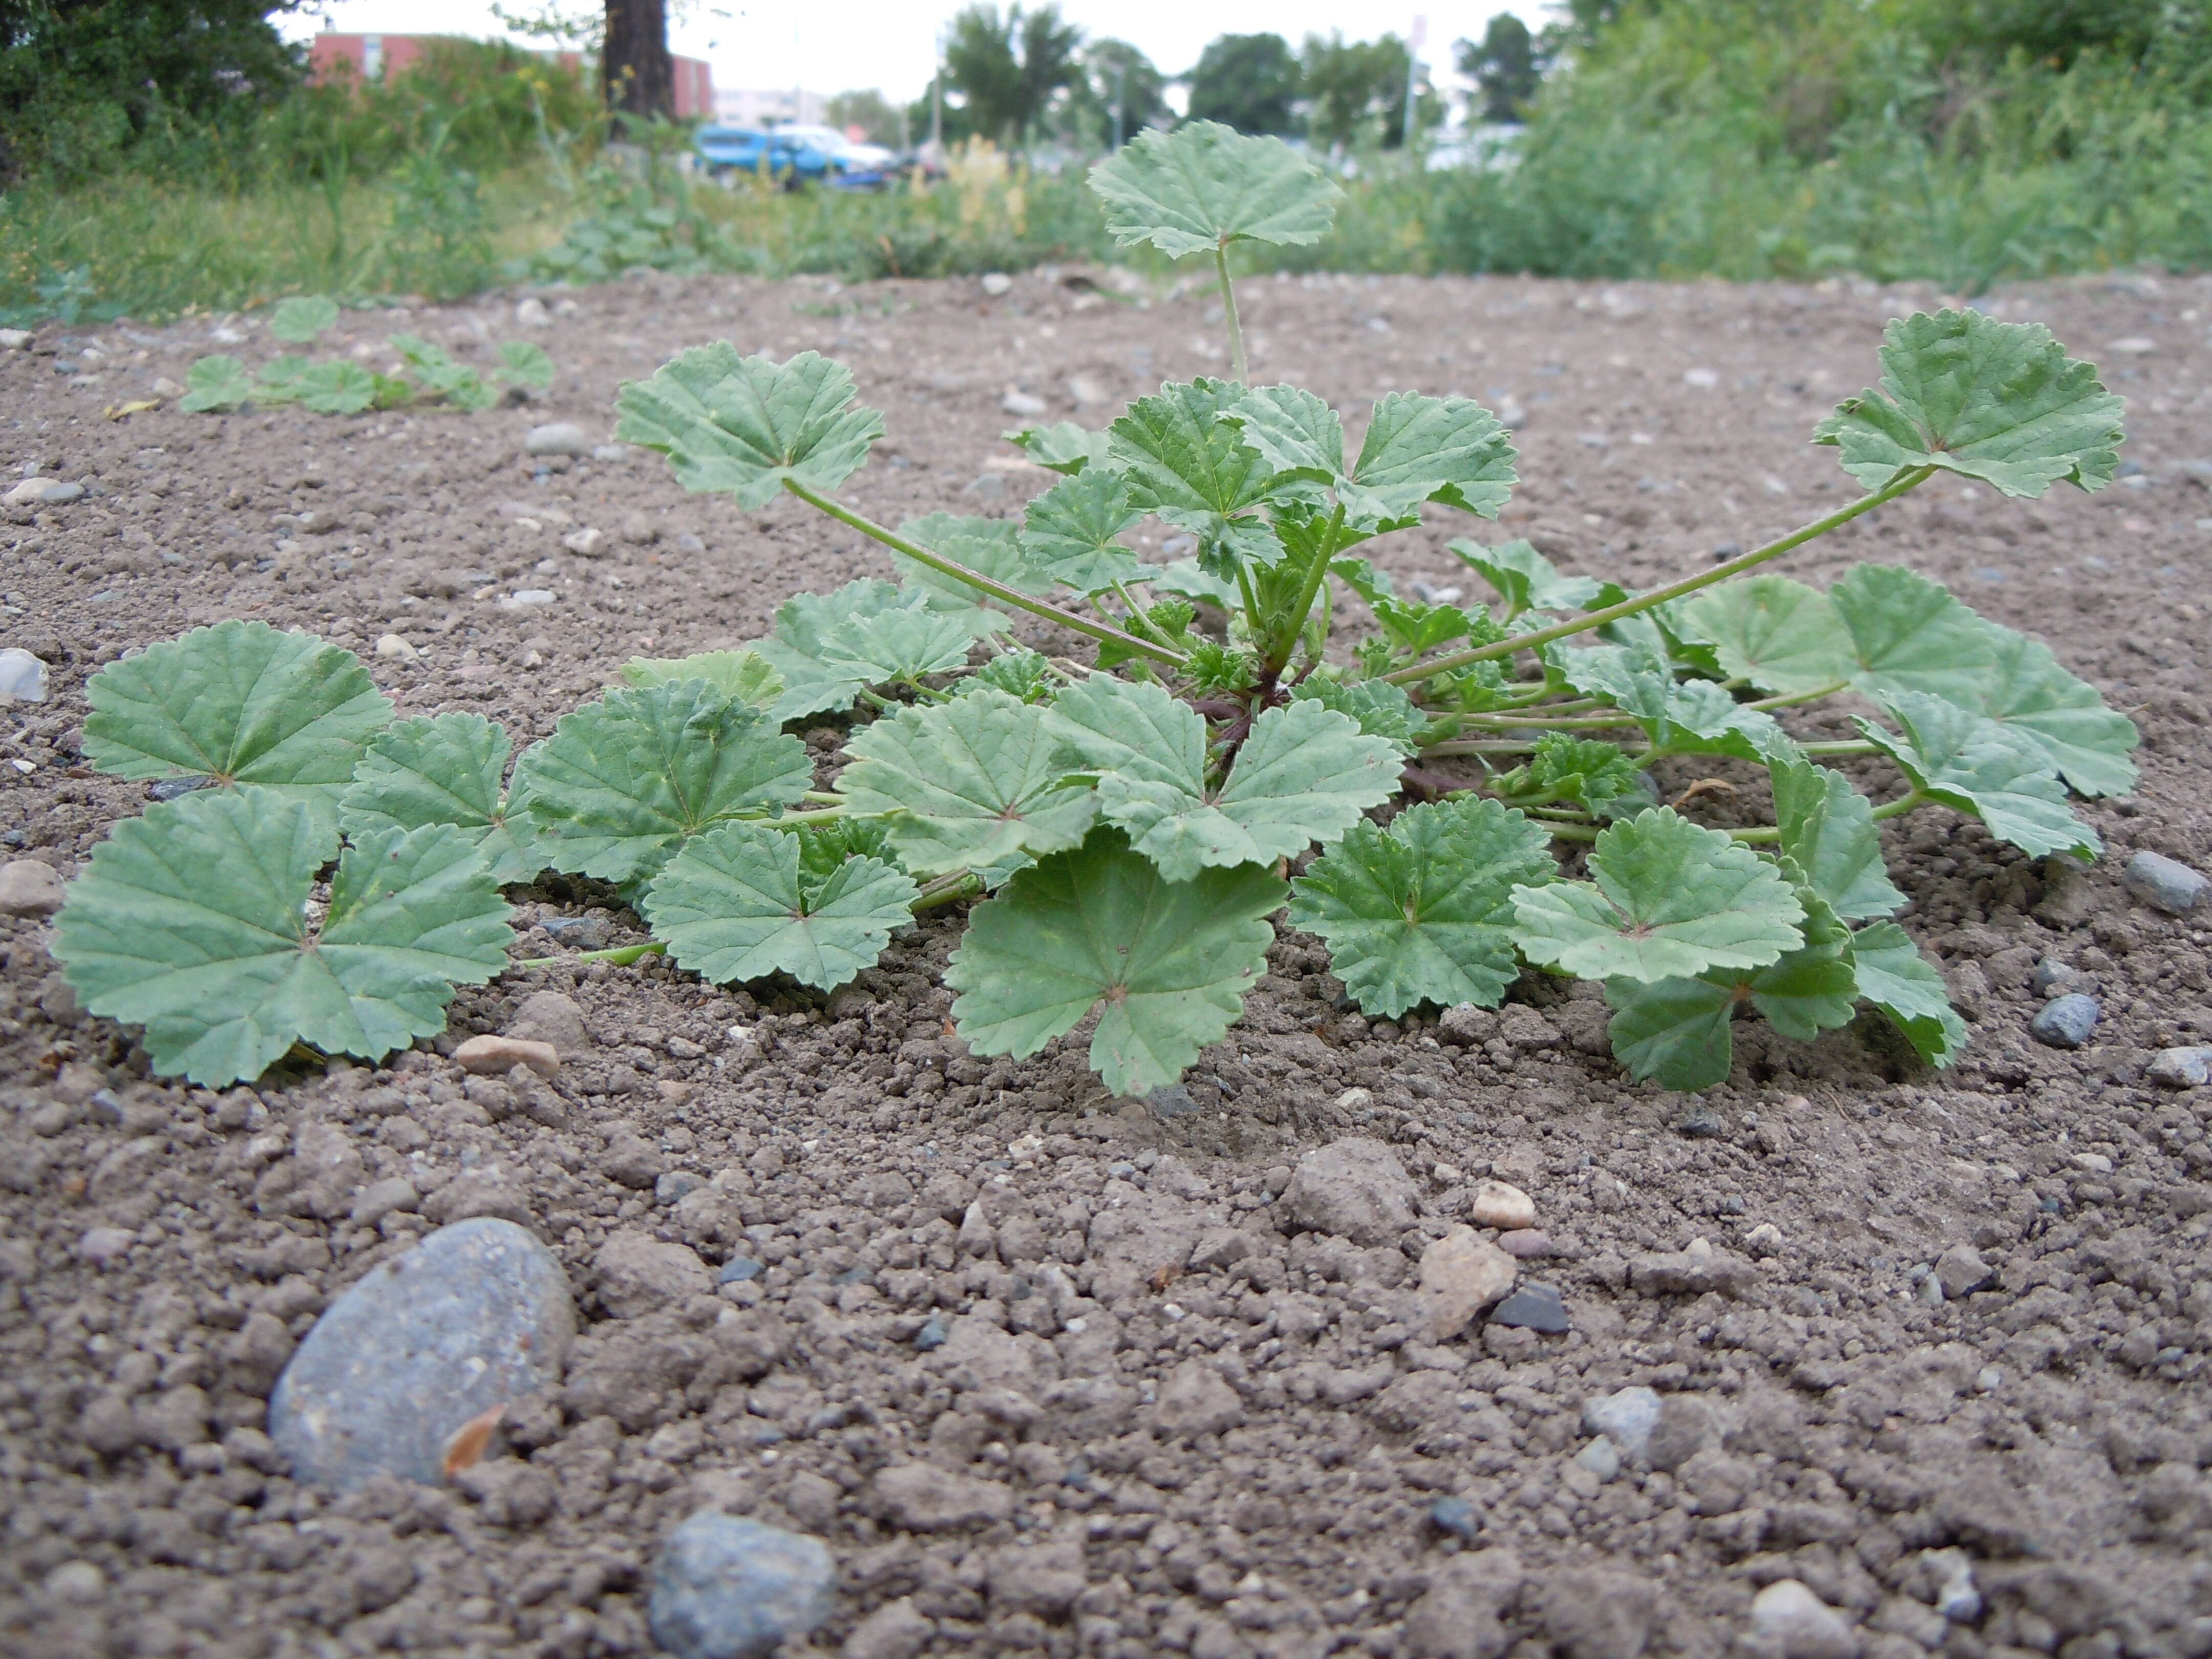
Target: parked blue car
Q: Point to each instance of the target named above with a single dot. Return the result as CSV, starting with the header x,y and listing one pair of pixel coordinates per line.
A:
x,y
789,160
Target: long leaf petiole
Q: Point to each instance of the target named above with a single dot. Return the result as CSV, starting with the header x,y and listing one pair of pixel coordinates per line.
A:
x,y
1720,573
977,580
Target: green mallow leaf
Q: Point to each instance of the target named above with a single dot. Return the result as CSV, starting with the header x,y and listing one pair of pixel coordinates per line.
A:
x,y
1023,674
1690,717
279,380
1780,635
1897,979
732,905
1677,1029
1909,634
1165,964
1828,829
1072,532
1383,710
1197,471
1364,579
2032,696
1205,186
896,647
238,703
1416,629
1669,899
215,384
1583,771
990,547
193,921
1977,766
2000,402
523,362
829,649
337,388
1304,774
1423,911
1451,450
746,676
825,847
457,383
303,317
1214,668
743,425
624,782
1526,581
1063,446
967,783
443,769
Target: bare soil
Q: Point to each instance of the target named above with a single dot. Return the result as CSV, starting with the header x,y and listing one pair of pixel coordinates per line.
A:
x,y
2054,1425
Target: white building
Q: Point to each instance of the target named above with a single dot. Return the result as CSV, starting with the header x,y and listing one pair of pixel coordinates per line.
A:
x,y
783,106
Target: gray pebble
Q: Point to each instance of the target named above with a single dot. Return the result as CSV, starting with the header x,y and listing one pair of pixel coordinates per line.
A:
x,y
589,932
556,438
176,789
610,452
738,1269
22,677
728,1587
1960,1271
476,1315
2181,1068
931,1336
1929,1292
675,1184
2054,978
1456,1516
1600,1457
1022,404
1701,1122
686,542
43,492
2163,883
2065,1022
1534,1308
1626,1418
1170,1100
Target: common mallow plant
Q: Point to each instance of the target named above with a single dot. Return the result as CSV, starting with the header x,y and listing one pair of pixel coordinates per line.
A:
x,y
1131,820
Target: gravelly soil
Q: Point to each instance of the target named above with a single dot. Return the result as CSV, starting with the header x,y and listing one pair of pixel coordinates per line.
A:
x,y
1081,1255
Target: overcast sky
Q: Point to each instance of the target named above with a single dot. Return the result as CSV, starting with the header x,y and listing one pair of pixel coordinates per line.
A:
x,y
845,44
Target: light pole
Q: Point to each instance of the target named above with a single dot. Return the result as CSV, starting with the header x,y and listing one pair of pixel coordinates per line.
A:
x,y
1414,39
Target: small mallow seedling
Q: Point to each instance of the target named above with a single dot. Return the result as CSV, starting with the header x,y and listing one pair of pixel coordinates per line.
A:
x,y
424,374
1468,795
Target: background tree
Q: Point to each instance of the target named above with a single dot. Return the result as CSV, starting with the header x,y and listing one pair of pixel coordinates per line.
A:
x,y
871,111
98,74
1112,71
1008,66
635,70
1249,81
1357,89
1504,69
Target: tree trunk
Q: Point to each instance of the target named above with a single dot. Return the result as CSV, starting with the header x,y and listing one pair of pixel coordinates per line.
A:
x,y
636,71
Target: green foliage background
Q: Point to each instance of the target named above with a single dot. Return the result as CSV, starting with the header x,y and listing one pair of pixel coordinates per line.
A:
x,y
1962,141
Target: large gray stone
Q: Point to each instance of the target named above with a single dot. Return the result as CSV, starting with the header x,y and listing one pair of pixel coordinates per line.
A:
x,y
728,1587
476,1315
1355,1187
2163,883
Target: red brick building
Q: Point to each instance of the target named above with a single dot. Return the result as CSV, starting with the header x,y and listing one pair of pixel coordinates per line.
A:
x,y
373,57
